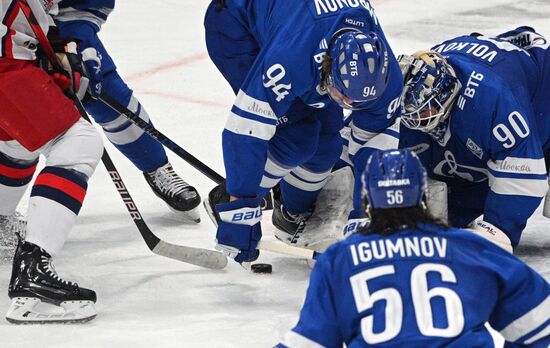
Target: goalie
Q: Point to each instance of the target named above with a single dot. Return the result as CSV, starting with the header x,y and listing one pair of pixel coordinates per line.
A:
x,y
476,112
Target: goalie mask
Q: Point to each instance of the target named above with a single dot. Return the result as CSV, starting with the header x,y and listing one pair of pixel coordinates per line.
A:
x,y
431,88
359,68
393,179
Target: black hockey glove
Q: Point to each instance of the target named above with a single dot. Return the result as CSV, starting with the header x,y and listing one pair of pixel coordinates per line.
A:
x,y
70,78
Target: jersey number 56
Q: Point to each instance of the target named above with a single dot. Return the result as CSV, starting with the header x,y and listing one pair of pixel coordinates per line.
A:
x,y
421,296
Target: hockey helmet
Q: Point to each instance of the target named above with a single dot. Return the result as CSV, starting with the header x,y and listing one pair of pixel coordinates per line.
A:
x,y
359,68
431,87
393,179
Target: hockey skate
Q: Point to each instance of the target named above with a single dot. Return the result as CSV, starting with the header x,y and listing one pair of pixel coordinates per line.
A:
x,y
39,296
290,227
178,194
12,228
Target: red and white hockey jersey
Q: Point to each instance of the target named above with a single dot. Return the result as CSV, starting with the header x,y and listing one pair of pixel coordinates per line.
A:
x,y
17,40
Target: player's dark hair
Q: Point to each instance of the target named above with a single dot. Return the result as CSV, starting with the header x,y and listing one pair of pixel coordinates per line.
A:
x,y
388,221
326,65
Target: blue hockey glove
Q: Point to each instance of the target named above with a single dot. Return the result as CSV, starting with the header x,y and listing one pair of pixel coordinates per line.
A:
x,y
92,64
357,220
239,230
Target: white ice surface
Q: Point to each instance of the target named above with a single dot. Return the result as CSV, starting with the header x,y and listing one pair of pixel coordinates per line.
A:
x,y
147,301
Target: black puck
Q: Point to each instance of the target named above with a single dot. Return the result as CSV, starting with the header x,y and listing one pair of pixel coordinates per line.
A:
x,y
261,268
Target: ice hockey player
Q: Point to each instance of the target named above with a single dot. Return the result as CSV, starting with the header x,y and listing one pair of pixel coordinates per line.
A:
x,y
407,280
81,21
293,67
478,116
36,118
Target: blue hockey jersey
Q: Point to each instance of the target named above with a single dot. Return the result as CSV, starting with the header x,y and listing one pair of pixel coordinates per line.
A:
x,y
490,155
421,288
293,36
91,11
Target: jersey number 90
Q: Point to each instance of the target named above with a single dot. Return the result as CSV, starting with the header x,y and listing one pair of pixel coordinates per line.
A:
x,y
421,296
505,135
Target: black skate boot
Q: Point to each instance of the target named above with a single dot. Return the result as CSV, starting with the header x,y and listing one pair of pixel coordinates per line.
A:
x,y
40,296
179,195
290,227
218,195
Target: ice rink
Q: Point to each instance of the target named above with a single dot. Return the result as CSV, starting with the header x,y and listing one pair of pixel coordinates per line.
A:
x,y
146,300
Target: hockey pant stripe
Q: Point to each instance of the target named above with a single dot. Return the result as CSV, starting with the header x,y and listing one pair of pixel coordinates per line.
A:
x,y
306,185
122,131
273,172
62,186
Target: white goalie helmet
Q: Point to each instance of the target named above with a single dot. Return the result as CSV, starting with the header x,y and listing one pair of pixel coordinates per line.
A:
x,y
431,87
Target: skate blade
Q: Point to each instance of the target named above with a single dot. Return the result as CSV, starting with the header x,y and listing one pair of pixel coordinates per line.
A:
x,y
189,215
31,310
210,213
317,245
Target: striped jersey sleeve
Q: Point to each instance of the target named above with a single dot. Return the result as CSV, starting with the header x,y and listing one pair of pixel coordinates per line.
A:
x,y
516,168
92,11
17,40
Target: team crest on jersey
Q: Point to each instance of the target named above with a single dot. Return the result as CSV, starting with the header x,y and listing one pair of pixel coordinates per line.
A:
x,y
474,148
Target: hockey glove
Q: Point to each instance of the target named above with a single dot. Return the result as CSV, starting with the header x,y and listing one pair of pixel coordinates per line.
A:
x,y
357,221
491,233
71,77
92,65
239,230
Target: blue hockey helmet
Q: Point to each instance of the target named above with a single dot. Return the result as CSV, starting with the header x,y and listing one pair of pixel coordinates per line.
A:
x,y
359,68
431,87
394,179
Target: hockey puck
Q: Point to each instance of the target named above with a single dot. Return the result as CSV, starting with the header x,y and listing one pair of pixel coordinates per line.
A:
x,y
261,268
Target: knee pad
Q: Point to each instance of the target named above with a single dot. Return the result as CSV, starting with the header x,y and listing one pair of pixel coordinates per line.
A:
x,y
79,149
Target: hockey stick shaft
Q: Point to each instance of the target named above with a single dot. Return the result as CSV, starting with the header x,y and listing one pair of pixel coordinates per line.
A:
x,y
164,140
281,248
161,138
200,257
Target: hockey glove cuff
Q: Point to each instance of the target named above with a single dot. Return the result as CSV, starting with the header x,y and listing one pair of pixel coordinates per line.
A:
x,y
357,220
239,230
70,78
491,233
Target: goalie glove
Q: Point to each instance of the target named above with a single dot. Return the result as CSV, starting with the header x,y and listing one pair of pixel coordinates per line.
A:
x,y
492,233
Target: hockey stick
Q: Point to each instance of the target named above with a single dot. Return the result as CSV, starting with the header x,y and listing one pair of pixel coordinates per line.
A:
x,y
149,129
281,248
196,256
161,138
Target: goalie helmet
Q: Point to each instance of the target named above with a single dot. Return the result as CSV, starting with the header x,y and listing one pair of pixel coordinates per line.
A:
x,y
359,68
431,87
394,179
